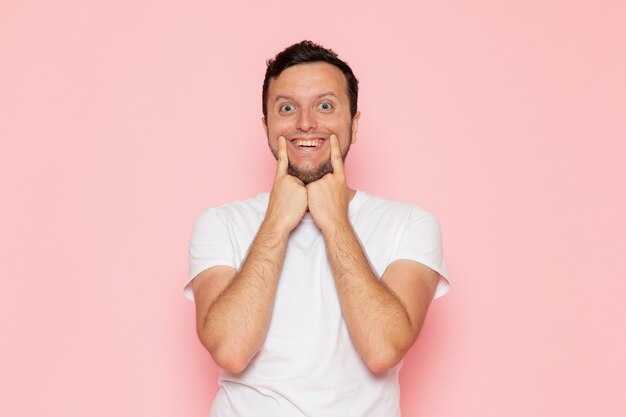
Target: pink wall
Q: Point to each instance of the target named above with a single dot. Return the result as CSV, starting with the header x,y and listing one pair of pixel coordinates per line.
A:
x,y
120,121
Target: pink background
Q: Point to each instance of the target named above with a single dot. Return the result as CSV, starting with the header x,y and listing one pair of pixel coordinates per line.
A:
x,y
120,121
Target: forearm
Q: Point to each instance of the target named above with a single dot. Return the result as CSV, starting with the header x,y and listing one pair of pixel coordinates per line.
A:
x,y
378,323
236,323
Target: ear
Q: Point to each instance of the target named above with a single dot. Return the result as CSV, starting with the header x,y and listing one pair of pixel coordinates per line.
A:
x,y
355,125
264,121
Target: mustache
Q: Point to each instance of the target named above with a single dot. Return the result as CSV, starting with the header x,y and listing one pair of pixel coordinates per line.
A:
x,y
306,136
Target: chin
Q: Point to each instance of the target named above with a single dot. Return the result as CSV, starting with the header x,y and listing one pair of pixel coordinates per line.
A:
x,y
310,175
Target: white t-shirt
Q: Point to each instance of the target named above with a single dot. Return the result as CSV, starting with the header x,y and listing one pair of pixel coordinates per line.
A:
x,y
308,365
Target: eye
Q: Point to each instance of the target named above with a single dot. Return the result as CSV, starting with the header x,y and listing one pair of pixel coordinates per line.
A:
x,y
287,108
325,106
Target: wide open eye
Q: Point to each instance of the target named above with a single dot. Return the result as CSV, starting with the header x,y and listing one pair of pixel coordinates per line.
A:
x,y
287,108
325,106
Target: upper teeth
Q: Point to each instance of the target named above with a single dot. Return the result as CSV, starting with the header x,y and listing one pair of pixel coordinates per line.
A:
x,y
315,142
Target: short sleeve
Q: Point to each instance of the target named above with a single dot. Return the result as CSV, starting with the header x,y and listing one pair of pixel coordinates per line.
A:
x,y
421,242
209,245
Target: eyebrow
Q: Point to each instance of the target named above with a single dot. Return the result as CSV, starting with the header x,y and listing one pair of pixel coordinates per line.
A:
x,y
329,93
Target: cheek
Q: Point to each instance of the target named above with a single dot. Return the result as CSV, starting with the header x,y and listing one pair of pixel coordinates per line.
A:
x,y
339,128
273,145
276,129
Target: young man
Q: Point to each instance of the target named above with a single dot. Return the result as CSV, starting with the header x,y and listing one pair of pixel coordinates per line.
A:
x,y
308,297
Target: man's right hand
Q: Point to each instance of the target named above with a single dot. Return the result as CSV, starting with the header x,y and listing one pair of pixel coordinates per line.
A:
x,y
234,308
288,199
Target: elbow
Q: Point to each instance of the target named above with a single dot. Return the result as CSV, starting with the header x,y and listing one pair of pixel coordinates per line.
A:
x,y
389,351
230,359
230,363
383,360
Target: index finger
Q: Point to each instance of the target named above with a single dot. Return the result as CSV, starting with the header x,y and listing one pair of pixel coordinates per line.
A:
x,y
282,159
336,159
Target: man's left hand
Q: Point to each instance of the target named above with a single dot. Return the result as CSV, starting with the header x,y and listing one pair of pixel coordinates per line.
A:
x,y
329,196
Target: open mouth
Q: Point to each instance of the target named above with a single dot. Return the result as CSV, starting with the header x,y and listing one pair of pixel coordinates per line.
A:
x,y
314,143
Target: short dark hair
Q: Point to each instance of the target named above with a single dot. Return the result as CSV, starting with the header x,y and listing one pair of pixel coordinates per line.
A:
x,y
306,52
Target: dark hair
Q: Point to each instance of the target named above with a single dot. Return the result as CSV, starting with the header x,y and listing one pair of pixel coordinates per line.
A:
x,y
305,52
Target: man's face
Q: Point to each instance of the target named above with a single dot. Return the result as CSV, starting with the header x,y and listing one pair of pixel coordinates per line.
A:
x,y
306,104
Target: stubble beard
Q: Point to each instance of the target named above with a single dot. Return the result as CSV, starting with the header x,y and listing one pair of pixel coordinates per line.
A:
x,y
310,175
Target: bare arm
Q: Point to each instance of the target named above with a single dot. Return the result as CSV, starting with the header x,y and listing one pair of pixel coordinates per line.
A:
x,y
383,317
233,310
232,324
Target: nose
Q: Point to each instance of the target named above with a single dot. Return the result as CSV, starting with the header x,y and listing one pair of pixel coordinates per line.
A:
x,y
306,120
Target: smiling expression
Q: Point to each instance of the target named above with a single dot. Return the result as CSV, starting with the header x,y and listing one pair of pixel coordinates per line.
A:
x,y
307,103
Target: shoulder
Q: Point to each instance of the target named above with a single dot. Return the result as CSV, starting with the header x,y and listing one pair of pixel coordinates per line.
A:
x,y
250,208
398,210
417,234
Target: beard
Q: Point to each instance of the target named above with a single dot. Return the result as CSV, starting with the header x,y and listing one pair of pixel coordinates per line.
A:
x,y
310,175
315,173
